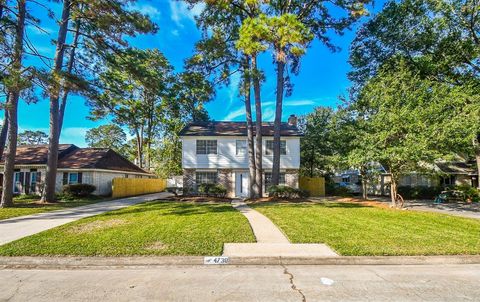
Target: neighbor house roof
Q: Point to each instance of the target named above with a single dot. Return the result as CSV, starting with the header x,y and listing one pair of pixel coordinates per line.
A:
x,y
234,129
457,167
73,157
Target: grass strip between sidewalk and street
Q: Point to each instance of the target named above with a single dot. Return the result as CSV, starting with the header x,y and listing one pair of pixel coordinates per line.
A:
x,y
152,228
357,230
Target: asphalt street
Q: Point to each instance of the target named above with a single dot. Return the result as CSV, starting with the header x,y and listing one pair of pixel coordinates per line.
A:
x,y
245,283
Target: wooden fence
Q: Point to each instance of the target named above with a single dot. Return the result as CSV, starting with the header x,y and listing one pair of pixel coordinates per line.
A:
x,y
124,187
316,186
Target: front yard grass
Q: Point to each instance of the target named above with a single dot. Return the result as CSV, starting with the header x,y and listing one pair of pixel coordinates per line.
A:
x,y
153,228
356,230
28,205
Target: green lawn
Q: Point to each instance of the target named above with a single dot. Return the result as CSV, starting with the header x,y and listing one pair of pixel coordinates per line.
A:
x,y
154,228
25,205
352,229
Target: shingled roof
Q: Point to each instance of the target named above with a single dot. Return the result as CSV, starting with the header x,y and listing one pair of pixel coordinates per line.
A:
x,y
457,167
234,129
73,157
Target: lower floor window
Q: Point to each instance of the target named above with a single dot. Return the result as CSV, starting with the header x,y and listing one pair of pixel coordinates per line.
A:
x,y
268,180
72,178
205,177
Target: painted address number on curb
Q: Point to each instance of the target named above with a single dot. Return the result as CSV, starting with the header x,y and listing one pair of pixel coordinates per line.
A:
x,y
215,260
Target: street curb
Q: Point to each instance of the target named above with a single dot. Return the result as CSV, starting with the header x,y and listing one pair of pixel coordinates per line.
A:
x,y
152,262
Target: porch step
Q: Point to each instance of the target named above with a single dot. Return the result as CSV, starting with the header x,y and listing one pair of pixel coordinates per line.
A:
x,y
277,250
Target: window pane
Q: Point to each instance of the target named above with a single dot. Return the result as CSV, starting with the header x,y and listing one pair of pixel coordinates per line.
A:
x,y
269,148
283,148
73,178
241,147
206,177
201,147
268,180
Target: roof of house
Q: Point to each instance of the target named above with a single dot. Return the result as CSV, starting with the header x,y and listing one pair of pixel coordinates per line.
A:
x,y
457,167
73,157
234,129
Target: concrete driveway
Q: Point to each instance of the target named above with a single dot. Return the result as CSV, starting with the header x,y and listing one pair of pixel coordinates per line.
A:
x,y
246,283
23,226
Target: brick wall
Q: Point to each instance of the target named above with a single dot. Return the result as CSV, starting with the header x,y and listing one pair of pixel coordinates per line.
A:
x,y
225,179
188,180
291,178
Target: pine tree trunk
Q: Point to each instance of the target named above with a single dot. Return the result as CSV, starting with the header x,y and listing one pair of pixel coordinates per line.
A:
x,y
53,141
12,106
253,193
3,133
278,122
258,128
66,90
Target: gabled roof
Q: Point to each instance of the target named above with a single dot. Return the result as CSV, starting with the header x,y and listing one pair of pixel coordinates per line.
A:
x,y
37,154
73,157
234,129
457,167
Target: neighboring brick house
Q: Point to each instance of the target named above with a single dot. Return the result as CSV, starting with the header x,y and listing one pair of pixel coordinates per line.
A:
x,y
95,166
216,152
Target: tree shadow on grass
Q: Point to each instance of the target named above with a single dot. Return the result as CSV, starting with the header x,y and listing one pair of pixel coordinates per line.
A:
x,y
169,208
346,205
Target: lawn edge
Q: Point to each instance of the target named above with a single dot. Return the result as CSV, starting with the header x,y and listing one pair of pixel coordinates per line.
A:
x,y
151,262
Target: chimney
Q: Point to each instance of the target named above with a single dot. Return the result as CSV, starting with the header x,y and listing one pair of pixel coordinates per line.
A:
x,y
292,120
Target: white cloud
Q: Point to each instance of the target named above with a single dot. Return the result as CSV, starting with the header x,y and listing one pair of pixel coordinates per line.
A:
x,y
233,87
175,32
146,9
234,114
180,11
300,103
268,114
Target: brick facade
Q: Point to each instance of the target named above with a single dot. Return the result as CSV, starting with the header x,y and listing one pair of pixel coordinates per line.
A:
x,y
188,181
225,179
291,178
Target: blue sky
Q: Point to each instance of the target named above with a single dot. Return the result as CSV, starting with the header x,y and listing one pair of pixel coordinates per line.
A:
x,y
322,79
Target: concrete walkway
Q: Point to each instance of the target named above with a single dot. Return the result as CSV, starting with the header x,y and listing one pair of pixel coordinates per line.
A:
x,y
23,226
271,242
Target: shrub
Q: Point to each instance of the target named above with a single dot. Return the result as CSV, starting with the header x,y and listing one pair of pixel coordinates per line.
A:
x,y
218,191
419,192
287,192
204,189
471,193
78,190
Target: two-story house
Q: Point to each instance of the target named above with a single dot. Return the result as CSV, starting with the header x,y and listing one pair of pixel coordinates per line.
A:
x,y
216,152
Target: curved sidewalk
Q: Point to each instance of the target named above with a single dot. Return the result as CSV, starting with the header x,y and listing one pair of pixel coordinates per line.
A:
x,y
18,227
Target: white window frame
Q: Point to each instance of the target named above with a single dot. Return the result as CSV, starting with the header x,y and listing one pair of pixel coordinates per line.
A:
x,y
269,150
69,181
15,182
213,179
243,149
210,147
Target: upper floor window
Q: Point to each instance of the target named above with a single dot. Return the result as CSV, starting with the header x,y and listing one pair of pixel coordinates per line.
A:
x,y
269,148
241,147
207,146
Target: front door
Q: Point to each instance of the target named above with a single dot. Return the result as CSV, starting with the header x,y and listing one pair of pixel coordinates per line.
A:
x,y
241,184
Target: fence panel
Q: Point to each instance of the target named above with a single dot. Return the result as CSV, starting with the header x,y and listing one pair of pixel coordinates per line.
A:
x,y
316,186
124,187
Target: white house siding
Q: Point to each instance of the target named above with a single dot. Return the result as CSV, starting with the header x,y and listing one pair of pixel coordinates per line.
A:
x,y
226,157
227,163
